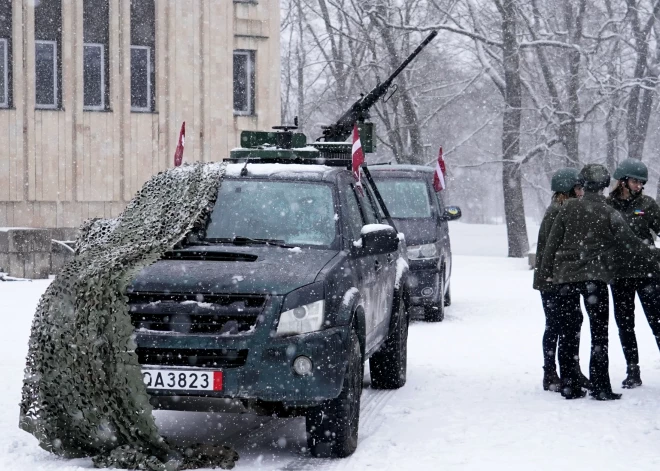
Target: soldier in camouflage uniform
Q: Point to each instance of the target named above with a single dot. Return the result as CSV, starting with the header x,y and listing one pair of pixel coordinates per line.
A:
x,y
566,184
587,244
642,214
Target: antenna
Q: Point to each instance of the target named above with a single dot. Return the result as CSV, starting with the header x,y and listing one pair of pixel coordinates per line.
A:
x,y
244,171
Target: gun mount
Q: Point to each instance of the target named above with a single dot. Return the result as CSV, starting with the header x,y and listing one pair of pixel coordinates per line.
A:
x,y
286,146
359,111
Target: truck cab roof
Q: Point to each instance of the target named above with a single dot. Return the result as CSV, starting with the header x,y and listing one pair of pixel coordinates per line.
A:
x,y
282,171
402,169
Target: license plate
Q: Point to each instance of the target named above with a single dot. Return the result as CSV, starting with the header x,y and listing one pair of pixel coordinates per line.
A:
x,y
183,380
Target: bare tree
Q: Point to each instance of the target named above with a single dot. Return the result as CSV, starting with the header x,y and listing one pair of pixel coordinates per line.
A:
x,y
527,86
645,76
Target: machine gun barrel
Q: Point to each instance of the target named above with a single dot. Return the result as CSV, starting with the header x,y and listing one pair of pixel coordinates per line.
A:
x,y
359,111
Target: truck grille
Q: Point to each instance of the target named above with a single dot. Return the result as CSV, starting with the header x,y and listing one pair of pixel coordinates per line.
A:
x,y
223,358
196,314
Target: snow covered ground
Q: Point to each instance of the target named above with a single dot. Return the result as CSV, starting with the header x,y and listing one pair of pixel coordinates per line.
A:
x,y
473,400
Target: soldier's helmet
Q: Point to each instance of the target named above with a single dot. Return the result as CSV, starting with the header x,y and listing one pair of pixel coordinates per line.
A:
x,y
595,177
565,179
632,168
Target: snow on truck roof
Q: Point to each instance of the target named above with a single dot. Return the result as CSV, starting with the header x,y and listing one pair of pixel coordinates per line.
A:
x,y
279,170
399,168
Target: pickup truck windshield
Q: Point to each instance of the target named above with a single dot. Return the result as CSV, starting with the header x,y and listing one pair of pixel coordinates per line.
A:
x,y
405,198
295,213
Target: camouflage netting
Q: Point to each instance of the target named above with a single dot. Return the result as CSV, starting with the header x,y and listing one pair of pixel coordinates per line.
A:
x,y
83,393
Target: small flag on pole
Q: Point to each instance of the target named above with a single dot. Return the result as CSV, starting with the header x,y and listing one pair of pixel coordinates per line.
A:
x,y
439,183
178,154
358,157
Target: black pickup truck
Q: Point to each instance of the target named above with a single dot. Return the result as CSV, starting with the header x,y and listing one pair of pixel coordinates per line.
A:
x,y
420,213
295,281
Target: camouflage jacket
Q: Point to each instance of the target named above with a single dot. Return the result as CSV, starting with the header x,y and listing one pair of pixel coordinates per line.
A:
x,y
590,240
641,213
541,283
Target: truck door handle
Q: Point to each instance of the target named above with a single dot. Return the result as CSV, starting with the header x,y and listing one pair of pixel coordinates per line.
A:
x,y
377,265
390,259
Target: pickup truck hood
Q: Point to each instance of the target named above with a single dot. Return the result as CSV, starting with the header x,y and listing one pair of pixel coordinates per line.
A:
x,y
233,269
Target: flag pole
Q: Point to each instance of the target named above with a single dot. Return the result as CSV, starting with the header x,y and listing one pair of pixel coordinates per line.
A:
x,y
378,196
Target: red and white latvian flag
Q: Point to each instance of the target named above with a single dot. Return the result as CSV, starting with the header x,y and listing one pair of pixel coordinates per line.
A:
x,y
439,183
358,157
178,153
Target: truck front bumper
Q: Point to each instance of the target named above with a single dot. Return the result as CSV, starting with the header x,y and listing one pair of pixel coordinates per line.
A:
x,y
261,366
424,282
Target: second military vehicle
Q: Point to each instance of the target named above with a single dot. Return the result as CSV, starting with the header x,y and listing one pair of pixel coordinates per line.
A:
x,y
420,213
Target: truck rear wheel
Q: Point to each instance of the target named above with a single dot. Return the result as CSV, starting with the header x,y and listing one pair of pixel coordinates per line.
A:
x,y
332,427
436,312
389,365
448,296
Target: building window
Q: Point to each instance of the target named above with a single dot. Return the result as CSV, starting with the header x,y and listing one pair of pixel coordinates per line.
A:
x,y
48,54
143,65
94,76
244,81
96,64
140,78
5,54
46,74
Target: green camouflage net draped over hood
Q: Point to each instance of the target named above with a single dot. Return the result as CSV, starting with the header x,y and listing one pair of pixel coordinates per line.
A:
x,y
83,393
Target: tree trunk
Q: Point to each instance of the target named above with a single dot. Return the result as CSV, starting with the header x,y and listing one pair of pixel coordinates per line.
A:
x,y
611,160
514,209
574,25
302,63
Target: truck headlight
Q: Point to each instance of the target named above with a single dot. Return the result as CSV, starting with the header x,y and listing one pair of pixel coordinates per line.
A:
x,y
302,319
416,252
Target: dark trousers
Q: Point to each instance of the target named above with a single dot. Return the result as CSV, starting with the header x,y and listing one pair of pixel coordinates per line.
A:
x,y
623,295
596,301
560,324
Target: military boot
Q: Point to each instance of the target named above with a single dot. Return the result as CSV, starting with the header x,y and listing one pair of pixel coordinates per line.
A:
x,y
583,381
572,392
605,395
551,381
633,379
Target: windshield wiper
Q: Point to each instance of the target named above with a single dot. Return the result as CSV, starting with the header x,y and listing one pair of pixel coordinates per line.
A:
x,y
242,240
197,242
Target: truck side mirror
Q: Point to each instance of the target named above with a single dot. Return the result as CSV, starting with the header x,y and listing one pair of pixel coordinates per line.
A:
x,y
451,213
376,239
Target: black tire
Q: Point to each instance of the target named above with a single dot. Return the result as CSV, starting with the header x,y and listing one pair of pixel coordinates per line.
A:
x,y
332,427
389,365
448,296
436,312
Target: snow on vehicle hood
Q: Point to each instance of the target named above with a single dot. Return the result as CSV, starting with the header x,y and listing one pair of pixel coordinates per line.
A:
x,y
275,271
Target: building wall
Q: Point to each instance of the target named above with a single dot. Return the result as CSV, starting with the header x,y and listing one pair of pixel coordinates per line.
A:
x,y
60,167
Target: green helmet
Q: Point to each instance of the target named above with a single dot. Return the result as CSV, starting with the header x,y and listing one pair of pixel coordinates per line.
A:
x,y
564,180
632,168
595,177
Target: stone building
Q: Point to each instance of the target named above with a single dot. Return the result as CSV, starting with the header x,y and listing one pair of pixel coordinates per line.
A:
x,y
93,94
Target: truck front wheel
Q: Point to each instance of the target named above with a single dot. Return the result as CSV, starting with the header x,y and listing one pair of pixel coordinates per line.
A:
x,y
388,366
332,427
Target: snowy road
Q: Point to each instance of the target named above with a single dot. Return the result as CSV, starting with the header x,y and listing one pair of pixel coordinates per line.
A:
x,y
473,400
